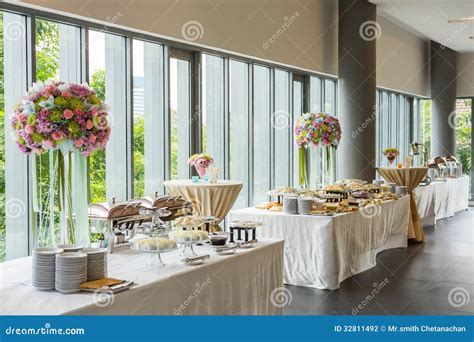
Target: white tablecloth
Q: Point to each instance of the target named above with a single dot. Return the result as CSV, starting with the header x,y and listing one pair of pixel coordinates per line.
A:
x,y
440,200
322,251
226,285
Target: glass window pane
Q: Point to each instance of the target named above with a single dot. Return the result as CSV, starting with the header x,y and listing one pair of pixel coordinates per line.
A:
x,y
148,118
261,135
282,128
239,129
14,230
315,94
330,97
213,114
297,111
180,109
464,135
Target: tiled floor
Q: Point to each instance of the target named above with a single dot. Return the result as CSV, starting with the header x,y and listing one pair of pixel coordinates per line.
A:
x,y
434,278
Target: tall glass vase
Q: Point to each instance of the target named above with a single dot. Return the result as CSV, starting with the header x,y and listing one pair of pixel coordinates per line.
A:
x,y
303,168
60,198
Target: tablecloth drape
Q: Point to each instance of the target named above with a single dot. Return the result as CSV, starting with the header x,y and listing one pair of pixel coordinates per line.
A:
x,y
239,284
322,251
409,177
209,199
442,199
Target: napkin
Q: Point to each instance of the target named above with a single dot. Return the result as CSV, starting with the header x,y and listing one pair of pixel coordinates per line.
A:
x,y
97,284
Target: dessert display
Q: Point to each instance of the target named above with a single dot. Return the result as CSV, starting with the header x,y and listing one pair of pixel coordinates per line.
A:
x,y
154,244
218,240
246,227
331,206
189,221
188,236
272,206
283,190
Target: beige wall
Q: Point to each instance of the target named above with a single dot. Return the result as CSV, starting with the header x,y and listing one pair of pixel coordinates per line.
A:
x,y
257,28
465,80
309,40
402,60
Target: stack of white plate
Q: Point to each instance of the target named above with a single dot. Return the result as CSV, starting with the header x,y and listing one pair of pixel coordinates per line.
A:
x,y
96,263
290,205
44,267
305,205
71,271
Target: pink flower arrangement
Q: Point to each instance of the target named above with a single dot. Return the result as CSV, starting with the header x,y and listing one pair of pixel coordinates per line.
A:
x,y
201,162
313,130
54,112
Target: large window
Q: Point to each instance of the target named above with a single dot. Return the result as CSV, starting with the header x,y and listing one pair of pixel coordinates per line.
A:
x,y
395,119
165,103
261,133
464,135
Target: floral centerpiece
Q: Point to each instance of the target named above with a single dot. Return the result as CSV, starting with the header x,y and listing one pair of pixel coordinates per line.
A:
x,y
56,114
391,153
315,130
72,122
201,162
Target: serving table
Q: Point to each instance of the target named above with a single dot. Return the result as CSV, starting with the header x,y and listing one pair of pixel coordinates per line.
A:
x,y
238,284
442,199
322,251
411,178
208,199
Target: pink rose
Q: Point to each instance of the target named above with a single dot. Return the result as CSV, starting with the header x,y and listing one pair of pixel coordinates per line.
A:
x,y
92,138
78,143
78,112
66,94
89,124
28,129
68,113
57,135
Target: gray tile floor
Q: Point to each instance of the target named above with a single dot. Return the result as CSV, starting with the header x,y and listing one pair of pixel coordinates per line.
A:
x,y
434,278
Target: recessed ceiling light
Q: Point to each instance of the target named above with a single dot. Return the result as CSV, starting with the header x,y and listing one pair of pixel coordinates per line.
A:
x,y
461,20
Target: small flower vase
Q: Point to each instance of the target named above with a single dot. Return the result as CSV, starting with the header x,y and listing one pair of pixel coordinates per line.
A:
x,y
201,170
390,160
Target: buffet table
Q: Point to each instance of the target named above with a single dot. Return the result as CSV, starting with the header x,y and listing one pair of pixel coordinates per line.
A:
x,y
209,199
322,251
410,178
238,284
442,199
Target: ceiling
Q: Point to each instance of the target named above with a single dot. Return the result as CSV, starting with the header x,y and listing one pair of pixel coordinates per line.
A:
x,y
429,19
